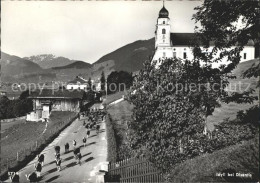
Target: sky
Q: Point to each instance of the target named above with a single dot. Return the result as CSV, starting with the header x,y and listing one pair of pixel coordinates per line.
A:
x,y
84,30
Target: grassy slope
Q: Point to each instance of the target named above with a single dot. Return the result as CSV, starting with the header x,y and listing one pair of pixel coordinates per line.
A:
x,y
113,97
5,126
230,110
242,158
76,65
18,137
131,56
24,134
120,114
59,116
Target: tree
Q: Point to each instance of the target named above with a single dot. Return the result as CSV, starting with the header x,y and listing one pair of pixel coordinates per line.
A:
x,y
170,104
103,81
4,102
170,107
89,83
24,95
118,81
219,24
15,108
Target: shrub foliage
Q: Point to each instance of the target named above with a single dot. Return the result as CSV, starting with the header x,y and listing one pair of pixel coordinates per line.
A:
x,y
172,103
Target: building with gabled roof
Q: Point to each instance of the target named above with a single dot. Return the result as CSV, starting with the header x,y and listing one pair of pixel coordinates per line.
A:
x,y
47,100
77,83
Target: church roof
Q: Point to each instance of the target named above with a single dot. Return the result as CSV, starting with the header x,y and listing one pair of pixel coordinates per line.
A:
x,y
163,13
182,39
186,39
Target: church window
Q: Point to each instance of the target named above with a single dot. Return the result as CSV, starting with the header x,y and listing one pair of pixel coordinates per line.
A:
x,y
184,55
174,49
163,22
184,49
174,54
244,55
163,31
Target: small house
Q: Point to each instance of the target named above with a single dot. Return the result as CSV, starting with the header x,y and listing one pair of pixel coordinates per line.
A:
x,y
45,101
78,84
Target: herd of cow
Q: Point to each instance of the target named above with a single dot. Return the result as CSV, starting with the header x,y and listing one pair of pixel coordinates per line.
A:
x,y
93,116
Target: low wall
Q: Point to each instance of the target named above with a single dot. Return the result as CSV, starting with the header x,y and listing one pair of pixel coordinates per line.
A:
x,y
12,119
116,101
34,116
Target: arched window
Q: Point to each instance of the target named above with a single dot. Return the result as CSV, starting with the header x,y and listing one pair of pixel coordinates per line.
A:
x,y
164,54
184,55
244,55
163,31
163,22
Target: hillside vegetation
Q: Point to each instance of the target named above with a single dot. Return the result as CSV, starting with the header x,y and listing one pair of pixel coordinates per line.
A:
x,y
131,56
230,110
120,114
15,69
239,158
75,65
13,65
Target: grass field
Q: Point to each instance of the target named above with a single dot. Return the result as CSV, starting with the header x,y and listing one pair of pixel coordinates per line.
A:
x,y
120,114
17,137
239,158
59,116
22,137
230,110
6,125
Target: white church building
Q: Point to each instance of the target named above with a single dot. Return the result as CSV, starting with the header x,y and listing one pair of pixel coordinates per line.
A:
x,y
177,45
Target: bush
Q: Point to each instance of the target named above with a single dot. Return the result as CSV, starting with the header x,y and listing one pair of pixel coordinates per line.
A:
x,y
111,140
242,157
250,116
15,108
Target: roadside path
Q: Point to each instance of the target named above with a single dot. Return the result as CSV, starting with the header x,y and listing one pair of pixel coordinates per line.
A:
x,y
94,155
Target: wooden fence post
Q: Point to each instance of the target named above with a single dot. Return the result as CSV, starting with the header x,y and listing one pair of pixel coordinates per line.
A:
x,y
36,144
17,156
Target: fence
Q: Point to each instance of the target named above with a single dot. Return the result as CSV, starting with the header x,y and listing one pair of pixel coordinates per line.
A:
x,y
35,147
133,170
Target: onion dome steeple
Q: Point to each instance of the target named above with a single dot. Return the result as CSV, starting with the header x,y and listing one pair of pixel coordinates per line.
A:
x,y
163,12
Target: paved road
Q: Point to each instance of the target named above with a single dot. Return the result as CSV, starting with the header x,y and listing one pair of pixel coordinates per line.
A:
x,y
94,155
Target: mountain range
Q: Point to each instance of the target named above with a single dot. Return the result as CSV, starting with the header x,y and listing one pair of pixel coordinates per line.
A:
x,y
47,61
16,69
127,58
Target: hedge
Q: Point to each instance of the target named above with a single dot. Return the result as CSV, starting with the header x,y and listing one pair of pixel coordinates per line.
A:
x,y
111,140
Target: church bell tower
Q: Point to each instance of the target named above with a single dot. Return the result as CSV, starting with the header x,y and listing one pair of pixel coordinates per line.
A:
x,y
163,29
